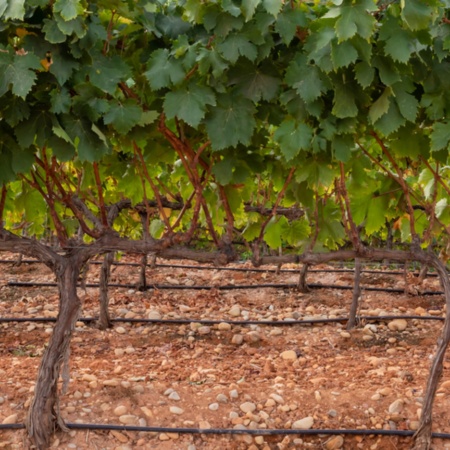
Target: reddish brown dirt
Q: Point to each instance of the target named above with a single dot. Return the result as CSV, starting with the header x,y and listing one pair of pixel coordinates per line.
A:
x,y
342,382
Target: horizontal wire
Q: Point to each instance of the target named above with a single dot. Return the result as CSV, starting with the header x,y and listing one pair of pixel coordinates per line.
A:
x,y
225,287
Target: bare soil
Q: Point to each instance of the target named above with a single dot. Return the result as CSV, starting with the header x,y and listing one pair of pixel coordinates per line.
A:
x,y
137,373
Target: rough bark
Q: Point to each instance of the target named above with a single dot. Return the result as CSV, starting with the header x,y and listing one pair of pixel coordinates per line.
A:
x,y
356,295
44,416
423,435
142,274
302,285
104,320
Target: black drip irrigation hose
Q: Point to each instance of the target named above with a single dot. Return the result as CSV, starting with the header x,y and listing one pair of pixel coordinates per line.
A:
x,y
233,269
226,287
231,322
233,431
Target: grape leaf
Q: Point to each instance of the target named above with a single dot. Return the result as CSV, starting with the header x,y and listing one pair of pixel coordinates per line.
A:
x,y
69,9
210,59
364,74
164,70
417,14
106,73
381,105
406,102
189,104
230,122
255,82
343,54
440,136
123,115
236,45
89,146
15,9
52,32
376,214
398,42
16,110
342,146
306,79
63,65
344,104
296,231
61,101
18,71
293,137
223,171
273,6
353,19
274,231
287,23
249,8
391,121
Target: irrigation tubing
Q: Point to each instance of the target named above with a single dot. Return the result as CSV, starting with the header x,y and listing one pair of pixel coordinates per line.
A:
x,y
232,269
226,287
231,322
233,431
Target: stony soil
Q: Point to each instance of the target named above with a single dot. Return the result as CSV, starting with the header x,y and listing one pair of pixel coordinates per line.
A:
x,y
224,375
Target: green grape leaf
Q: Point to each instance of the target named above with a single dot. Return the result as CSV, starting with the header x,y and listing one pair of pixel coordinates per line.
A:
x,y
12,9
62,65
61,101
406,102
89,145
273,6
254,82
249,8
164,70
426,178
189,103
296,231
410,142
364,74
69,9
417,14
342,146
288,21
293,137
37,129
306,79
387,70
18,71
105,73
210,59
398,42
343,54
274,231
440,136
223,171
391,121
156,228
354,18
236,45
123,115
381,106
52,32
22,159
376,214
230,122
16,110
344,104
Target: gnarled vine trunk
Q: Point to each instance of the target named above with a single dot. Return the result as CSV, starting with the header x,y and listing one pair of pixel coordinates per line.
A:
x,y
423,435
104,320
44,416
356,295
